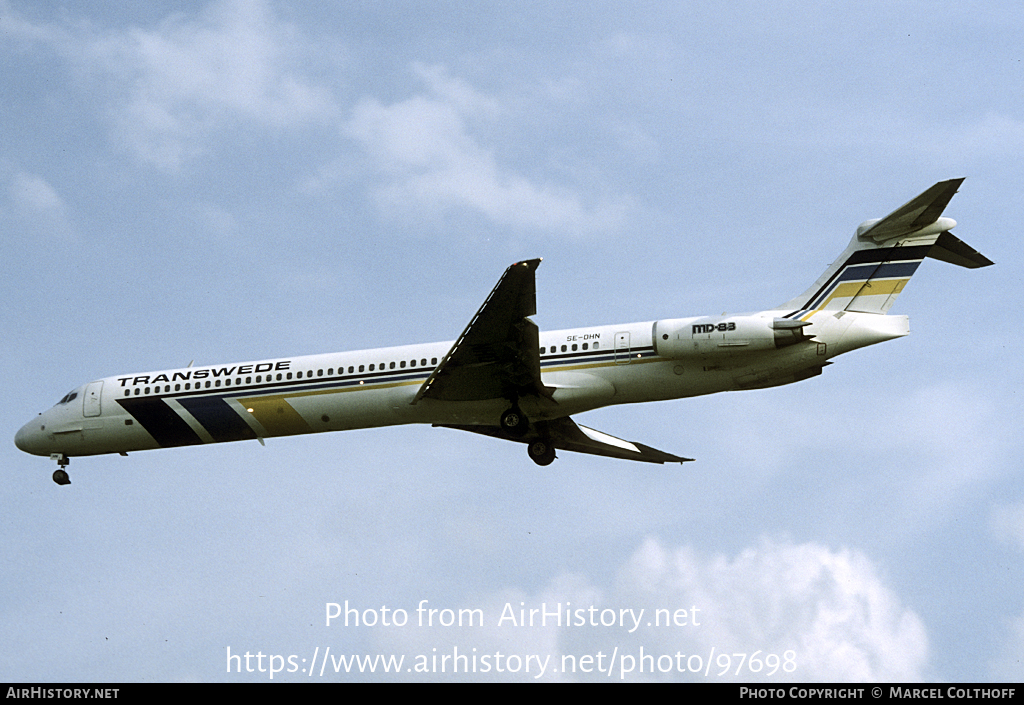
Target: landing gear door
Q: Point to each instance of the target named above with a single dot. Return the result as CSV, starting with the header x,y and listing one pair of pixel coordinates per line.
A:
x,y
622,348
93,393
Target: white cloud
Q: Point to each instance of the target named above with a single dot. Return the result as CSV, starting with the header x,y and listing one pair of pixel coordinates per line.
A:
x,y
938,428
456,92
922,451
798,612
37,201
1007,524
433,162
35,194
1007,665
829,608
170,87
236,62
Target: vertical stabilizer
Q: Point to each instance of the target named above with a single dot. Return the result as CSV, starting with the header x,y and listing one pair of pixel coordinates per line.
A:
x,y
884,254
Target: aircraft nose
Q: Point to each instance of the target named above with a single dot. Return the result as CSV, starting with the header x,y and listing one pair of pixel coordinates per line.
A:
x,y
28,438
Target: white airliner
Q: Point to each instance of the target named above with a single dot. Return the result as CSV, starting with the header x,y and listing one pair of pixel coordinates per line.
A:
x,y
504,378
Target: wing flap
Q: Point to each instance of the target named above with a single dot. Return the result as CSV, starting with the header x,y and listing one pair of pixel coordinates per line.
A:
x,y
566,434
582,439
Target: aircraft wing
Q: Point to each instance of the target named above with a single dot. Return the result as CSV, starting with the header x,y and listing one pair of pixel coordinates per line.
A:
x,y
566,434
498,354
916,214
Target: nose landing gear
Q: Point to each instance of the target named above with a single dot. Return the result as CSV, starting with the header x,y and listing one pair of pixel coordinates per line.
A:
x,y
60,475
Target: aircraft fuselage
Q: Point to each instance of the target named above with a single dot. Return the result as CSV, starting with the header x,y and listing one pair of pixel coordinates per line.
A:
x,y
588,368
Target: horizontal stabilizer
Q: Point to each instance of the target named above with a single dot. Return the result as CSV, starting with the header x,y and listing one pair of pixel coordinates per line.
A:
x,y
916,215
566,434
950,248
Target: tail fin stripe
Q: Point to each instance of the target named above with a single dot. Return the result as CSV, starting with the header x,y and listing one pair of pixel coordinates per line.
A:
x,y
863,266
886,270
888,254
890,257
882,256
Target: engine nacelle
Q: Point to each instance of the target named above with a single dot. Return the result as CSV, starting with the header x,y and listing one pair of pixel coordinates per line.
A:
x,y
725,335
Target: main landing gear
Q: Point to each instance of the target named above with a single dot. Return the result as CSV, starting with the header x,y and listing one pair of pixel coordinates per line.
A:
x,y
60,475
541,451
514,423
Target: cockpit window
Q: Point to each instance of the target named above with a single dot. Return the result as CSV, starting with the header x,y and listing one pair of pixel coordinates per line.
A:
x,y
68,397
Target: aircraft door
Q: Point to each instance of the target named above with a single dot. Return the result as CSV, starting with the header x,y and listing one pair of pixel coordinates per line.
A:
x,y
622,348
91,402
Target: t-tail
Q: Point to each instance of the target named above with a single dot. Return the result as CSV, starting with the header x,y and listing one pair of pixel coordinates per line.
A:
x,y
884,254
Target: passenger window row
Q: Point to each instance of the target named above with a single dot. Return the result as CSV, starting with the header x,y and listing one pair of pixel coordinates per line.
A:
x,y
281,376
566,348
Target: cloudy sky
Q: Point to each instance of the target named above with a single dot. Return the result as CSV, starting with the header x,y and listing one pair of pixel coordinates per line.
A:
x,y
243,180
